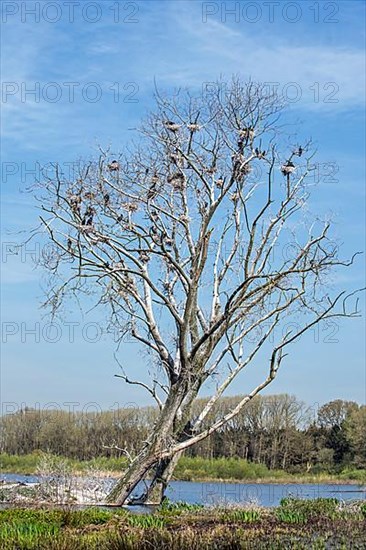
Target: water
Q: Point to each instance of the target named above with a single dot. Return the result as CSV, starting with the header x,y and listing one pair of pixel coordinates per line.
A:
x,y
265,494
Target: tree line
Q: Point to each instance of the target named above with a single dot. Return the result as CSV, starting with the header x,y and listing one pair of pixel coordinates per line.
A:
x,y
279,431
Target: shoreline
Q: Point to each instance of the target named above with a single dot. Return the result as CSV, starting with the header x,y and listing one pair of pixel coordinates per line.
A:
x,y
249,481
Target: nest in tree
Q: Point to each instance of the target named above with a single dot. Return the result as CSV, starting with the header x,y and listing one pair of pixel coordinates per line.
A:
x,y
75,201
176,158
176,180
168,241
87,228
130,206
172,126
288,168
144,256
128,281
241,166
241,172
193,127
113,166
238,158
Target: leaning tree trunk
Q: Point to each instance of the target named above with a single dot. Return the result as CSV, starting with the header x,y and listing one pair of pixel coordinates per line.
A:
x,y
161,475
167,430
134,474
150,455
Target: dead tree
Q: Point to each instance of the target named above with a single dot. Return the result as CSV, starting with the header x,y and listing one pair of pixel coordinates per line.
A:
x,y
185,238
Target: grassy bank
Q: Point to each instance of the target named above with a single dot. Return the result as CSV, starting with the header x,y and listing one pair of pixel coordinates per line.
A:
x,y
190,469
317,525
232,469
28,464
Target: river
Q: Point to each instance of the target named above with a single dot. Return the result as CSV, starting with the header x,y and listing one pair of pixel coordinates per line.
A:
x,y
264,494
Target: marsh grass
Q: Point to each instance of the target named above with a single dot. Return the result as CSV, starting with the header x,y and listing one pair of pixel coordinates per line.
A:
x,y
238,516
146,522
297,524
300,510
178,507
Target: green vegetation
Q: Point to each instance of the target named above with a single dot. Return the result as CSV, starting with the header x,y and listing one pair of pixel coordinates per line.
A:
x,y
144,522
28,464
297,524
178,507
292,510
275,437
188,469
226,469
192,468
239,516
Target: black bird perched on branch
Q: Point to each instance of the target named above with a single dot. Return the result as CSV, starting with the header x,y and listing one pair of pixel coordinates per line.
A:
x,y
88,216
260,154
151,194
172,126
113,166
288,168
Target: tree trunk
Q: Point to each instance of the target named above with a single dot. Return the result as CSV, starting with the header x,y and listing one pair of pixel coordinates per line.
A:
x,y
162,474
134,474
149,457
172,426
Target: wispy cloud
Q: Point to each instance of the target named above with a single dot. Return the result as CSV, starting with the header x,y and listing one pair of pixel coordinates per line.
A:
x,y
171,44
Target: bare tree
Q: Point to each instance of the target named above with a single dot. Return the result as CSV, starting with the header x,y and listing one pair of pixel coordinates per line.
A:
x,y
182,237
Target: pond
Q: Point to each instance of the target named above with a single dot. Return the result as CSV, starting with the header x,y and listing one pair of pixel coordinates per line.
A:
x,y
265,494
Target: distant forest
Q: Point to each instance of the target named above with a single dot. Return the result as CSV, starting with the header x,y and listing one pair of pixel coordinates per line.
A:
x,y
278,430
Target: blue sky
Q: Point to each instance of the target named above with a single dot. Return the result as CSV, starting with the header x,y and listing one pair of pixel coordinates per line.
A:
x,y
313,50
